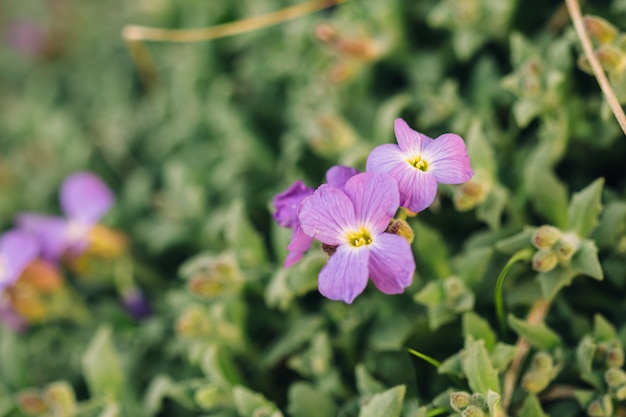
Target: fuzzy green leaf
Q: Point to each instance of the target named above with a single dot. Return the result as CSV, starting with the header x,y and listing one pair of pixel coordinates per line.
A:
x,y
531,407
517,242
585,208
586,262
603,330
306,401
250,404
538,335
387,403
612,224
548,195
431,251
552,281
478,328
481,375
366,383
490,210
102,366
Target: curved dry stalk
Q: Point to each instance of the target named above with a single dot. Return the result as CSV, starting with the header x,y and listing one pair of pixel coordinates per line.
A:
x,y
574,10
537,313
143,33
135,35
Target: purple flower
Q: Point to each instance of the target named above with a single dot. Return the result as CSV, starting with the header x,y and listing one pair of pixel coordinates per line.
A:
x,y
27,36
84,199
17,250
287,203
354,221
418,163
136,303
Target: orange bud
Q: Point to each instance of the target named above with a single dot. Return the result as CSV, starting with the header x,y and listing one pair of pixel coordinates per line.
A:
x,y
599,29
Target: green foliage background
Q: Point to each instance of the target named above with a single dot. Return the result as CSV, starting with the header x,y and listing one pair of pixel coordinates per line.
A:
x,y
195,155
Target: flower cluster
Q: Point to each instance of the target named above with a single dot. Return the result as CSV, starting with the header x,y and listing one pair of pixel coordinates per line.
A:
x,y
31,252
352,215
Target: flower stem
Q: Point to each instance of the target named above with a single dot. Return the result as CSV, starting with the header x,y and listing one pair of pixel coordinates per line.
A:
x,y
522,255
574,10
433,362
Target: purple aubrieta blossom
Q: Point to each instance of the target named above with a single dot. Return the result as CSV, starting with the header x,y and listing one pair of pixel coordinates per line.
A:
x,y
17,250
418,163
287,203
84,199
354,221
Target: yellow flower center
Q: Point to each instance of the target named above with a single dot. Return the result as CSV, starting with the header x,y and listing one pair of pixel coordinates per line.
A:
x,y
359,238
418,163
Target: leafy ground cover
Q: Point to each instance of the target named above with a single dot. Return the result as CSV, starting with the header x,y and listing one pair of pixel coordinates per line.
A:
x,y
158,286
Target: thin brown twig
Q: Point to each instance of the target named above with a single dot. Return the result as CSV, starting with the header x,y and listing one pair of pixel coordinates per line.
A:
x,y
574,10
144,33
537,313
135,35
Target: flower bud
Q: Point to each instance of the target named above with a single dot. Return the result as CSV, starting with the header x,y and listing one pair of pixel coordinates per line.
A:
x,y
454,288
470,194
536,381
459,400
566,247
544,260
611,59
615,356
31,402
620,393
545,237
208,397
542,361
615,377
194,322
401,228
599,29
473,411
479,401
584,65
602,407
325,33
61,398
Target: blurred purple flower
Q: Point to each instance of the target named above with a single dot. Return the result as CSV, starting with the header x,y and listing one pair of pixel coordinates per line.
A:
x,y
27,37
84,199
17,250
354,221
136,304
287,203
418,163
11,318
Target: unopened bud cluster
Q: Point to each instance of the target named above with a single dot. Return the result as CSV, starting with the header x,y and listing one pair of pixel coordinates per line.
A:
x,y
610,50
542,371
553,248
471,194
469,405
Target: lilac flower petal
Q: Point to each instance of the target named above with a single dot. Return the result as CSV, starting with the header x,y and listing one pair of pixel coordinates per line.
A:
x,y
448,160
375,198
327,215
300,243
85,197
17,249
344,276
338,175
411,142
51,231
417,189
384,158
287,202
391,263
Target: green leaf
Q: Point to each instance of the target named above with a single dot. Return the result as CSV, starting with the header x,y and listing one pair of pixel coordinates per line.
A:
x,y
552,281
365,382
102,366
472,265
585,261
218,366
539,335
531,407
584,396
603,330
585,208
251,404
245,240
517,242
611,225
387,403
490,210
431,251
585,352
479,149
432,294
306,401
478,328
481,375
502,355
548,195
453,366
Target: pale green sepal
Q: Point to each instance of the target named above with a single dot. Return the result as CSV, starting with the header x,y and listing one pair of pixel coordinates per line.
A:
x,y
387,403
